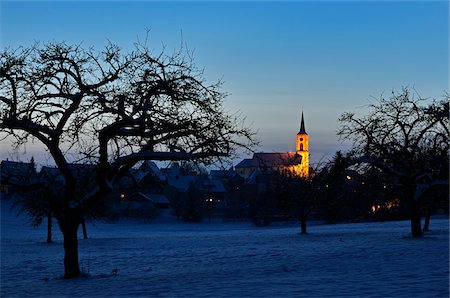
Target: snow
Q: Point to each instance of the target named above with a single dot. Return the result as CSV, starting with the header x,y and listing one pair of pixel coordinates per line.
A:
x,y
171,259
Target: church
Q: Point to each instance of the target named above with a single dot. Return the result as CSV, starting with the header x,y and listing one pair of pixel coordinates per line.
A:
x,y
295,162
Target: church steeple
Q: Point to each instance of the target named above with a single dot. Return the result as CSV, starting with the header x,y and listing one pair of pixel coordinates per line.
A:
x,y
302,142
302,125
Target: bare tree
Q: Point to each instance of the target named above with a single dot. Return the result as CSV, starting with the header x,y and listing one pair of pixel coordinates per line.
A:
x,y
36,200
300,191
112,110
407,137
335,188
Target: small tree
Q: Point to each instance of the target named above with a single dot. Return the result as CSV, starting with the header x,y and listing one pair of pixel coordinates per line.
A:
x,y
31,196
192,205
334,186
112,110
36,200
300,193
404,136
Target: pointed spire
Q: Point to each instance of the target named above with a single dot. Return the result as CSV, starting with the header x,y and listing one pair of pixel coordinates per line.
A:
x,y
302,125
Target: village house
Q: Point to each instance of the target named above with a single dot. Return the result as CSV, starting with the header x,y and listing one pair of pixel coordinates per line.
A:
x,y
15,175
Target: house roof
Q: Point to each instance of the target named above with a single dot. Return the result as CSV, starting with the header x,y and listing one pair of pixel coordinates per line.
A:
x,y
155,198
217,174
15,168
78,170
173,170
213,185
245,163
51,173
181,182
150,167
16,172
254,176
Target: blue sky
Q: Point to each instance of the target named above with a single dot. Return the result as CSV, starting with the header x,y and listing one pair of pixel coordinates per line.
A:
x,y
275,57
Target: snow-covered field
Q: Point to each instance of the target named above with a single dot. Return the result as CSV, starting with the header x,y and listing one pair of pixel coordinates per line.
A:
x,y
228,260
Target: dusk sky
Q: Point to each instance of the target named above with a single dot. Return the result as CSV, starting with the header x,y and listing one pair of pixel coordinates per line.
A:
x,y
275,57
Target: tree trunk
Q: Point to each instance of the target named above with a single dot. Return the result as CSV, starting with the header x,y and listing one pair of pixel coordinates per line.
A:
x,y
83,225
69,227
426,225
416,226
302,220
414,208
303,224
49,228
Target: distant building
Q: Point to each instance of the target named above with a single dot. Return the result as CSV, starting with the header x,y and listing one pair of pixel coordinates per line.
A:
x,y
15,175
222,174
296,162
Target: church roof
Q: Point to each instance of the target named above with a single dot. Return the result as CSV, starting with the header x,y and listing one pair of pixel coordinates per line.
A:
x,y
276,159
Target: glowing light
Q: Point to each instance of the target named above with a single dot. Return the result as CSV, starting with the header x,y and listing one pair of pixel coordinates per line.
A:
x,y
349,178
122,196
375,208
392,204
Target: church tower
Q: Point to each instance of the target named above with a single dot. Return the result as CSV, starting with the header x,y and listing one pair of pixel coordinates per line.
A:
x,y
301,148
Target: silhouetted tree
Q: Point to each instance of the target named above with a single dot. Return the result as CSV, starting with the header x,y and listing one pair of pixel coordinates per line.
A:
x,y
336,187
36,201
436,198
380,194
112,110
237,199
32,197
264,201
300,192
40,198
192,205
404,136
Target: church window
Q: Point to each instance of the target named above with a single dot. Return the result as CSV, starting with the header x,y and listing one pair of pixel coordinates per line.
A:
x,y
301,147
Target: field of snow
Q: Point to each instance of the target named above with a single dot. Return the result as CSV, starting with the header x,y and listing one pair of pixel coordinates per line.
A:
x,y
171,259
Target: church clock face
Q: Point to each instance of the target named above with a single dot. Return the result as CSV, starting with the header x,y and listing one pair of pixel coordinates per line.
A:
x,y
301,139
